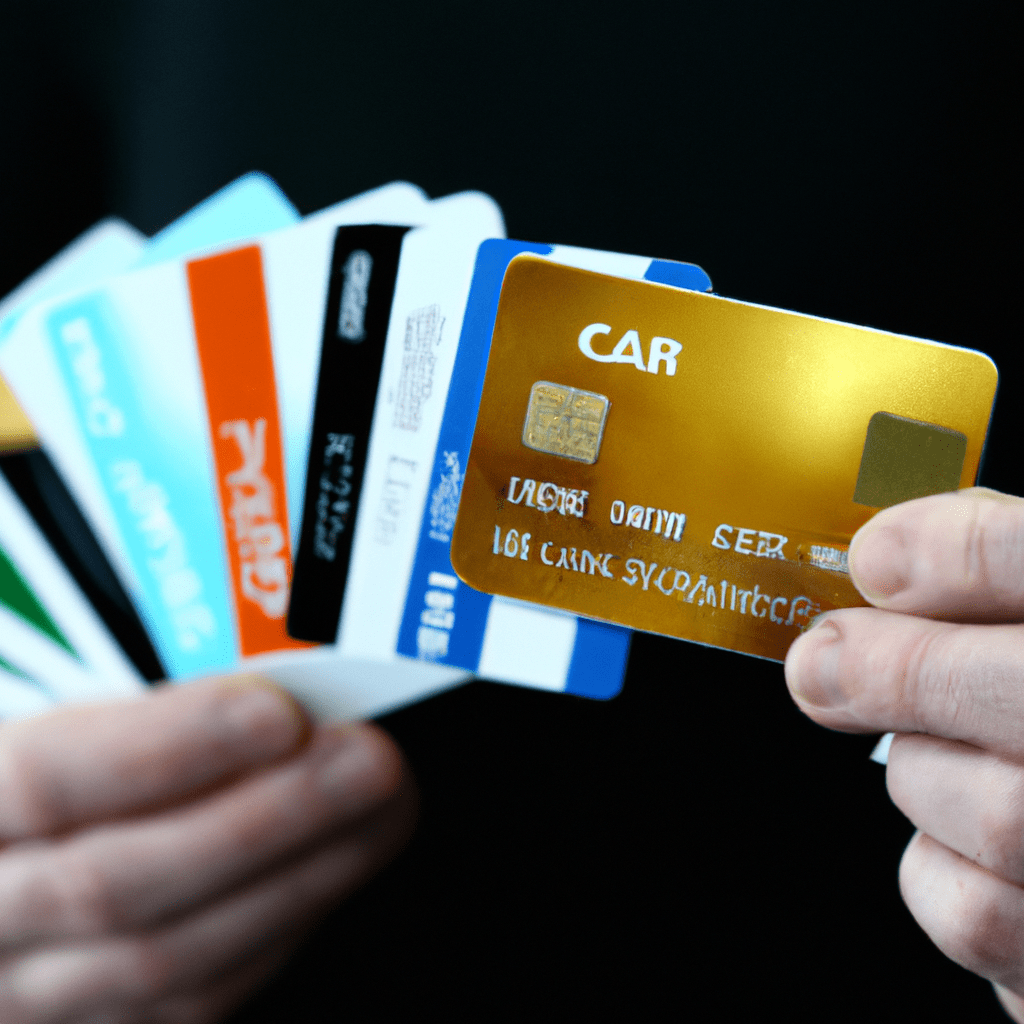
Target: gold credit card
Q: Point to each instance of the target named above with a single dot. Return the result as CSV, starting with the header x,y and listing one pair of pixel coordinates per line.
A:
x,y
696,466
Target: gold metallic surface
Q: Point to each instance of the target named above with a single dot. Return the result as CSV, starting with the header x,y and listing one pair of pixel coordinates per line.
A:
x,y
16,433
751,422
565,421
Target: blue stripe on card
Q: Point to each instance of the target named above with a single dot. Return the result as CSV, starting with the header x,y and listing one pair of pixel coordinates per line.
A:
x,y
444,619
598,659
678,275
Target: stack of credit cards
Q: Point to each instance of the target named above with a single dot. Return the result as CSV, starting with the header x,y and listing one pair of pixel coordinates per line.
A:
x,y
380,450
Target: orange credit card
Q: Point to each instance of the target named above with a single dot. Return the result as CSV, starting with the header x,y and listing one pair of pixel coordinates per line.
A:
x,y
696,466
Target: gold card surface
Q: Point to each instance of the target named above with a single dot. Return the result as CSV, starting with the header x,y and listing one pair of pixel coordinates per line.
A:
x,y
16,433
696,466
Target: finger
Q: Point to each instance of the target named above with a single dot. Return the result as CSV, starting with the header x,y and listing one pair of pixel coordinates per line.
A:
x,y
133,875
208,1004
213,1003
1012,1003
865,670
975,918
62,983
967,799
78,765
949,556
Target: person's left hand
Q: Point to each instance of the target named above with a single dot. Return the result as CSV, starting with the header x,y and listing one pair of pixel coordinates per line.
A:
x,y
940,662
159,858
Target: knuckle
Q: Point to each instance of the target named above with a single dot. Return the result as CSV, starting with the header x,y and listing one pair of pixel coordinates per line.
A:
x,y
978,543
1001,829
279,815
974,919
988,939
993,541
147,969
28,808
136,972
923,678
88,895
385,763
942,682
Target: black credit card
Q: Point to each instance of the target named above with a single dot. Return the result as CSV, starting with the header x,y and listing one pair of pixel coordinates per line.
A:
x,y
364,267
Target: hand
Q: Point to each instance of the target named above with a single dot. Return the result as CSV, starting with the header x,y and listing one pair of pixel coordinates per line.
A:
x,y
940,662
159,858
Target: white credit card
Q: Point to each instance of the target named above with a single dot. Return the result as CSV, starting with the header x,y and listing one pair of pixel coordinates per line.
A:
x,y
393,436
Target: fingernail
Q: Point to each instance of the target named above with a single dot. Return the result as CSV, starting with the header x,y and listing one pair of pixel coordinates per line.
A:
x,y
879,561
816,669
262,715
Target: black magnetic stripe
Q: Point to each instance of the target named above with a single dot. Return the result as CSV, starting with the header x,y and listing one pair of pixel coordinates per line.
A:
x,y
343,413
37,483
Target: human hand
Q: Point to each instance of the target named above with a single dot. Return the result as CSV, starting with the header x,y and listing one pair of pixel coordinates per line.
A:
x,y
159,858
940,662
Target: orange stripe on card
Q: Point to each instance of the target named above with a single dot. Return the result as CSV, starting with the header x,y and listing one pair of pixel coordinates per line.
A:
x,y
229,310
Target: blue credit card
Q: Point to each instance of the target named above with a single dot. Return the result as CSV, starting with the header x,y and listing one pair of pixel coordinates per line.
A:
x,y
250,205
444,620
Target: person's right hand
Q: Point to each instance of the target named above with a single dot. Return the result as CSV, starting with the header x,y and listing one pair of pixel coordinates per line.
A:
x,y
939,662
159,858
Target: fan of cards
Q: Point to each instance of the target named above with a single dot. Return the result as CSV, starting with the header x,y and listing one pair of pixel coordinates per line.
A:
x,y
381,450
240,444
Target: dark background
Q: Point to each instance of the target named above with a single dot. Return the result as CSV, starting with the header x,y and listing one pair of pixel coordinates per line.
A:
x,y
695,839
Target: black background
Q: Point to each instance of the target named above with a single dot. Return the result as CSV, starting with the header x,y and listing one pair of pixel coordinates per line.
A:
x,y
694,849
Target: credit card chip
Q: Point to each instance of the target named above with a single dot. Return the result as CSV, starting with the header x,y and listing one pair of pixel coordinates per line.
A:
x,y
565,421
906,459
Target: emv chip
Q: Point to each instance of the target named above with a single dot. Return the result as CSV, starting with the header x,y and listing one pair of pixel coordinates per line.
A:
x,y
906,459
565,421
